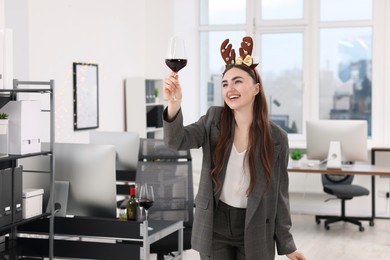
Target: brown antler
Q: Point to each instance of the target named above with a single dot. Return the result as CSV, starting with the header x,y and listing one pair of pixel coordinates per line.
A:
x,y
246,47
228,55
246,52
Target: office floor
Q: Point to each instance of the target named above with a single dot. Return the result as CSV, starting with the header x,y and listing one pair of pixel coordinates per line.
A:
x,y
343,241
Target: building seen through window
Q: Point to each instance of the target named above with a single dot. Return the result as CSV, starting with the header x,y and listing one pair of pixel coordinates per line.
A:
x,y
345,74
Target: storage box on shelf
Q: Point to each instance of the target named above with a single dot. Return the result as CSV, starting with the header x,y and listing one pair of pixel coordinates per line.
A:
x,y
24,126
32,202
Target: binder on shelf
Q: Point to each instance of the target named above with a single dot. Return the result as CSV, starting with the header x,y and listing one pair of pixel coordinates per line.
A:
x,y
149,85
5,197
18,194
146,91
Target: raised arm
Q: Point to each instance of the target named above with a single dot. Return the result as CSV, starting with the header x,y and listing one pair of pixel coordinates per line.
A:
x,y
173,93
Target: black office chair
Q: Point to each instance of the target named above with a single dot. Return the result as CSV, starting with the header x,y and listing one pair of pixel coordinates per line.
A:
x,y
170,174
340,185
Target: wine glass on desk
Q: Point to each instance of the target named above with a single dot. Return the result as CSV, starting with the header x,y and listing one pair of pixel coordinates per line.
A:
x,y
146,198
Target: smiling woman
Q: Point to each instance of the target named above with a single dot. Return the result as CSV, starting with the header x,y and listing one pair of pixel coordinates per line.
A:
x,y
239,175
239,89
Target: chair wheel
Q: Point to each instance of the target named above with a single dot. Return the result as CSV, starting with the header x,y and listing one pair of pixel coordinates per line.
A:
x,y
361,229
318,221
372,223
326,226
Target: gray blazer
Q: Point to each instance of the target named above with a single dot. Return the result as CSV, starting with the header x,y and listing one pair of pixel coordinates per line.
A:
x,y
267,220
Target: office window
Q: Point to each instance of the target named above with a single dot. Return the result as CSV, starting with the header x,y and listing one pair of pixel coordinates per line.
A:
x,y
220,12
317,66
345,73
345,10
281,68
345,79
274,10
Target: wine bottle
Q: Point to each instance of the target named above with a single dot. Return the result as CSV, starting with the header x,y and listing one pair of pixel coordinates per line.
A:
x,y
132,205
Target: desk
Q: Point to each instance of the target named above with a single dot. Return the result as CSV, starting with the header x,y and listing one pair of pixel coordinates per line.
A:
x,y
106,238
362,169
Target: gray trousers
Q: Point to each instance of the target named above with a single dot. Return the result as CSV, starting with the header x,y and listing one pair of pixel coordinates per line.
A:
x,y
228,233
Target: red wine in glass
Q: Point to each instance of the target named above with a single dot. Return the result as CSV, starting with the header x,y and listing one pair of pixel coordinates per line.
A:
x,y
146,204
176,64
177,57
146,198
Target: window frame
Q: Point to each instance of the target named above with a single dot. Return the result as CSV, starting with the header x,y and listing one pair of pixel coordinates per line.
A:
x,y
310,25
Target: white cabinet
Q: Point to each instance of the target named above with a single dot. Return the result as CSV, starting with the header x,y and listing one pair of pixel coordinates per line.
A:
x,y
143,110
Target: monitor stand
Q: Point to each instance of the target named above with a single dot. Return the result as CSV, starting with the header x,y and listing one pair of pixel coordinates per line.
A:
x,y
334,155
61,193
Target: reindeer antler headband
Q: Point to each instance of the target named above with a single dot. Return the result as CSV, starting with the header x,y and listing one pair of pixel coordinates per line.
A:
x,y
229,55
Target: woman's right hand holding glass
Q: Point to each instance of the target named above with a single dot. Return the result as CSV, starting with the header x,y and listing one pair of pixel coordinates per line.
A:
x,y
173,93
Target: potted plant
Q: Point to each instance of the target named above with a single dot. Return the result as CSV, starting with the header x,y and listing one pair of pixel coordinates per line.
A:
x,y
156,95
296,155
3,133
3,123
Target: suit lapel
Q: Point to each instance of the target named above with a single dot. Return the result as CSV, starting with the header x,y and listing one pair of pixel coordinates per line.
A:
x,y
223,173
255,197
259,188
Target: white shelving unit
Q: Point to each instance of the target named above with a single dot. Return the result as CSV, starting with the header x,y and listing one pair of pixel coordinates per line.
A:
x,y
10,161
137,107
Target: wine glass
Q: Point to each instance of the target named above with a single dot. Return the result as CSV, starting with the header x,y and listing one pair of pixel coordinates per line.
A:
x,y
177,58
146,198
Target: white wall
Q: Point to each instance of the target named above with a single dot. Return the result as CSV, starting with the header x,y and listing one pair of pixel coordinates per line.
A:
x,y
124,37
2,16
18,22
186,24
168,18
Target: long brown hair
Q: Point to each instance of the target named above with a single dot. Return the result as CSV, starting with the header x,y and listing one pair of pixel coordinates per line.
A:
x,y
259,136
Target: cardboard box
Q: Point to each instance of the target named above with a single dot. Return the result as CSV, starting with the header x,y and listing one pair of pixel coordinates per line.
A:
x,y
32,202
24,126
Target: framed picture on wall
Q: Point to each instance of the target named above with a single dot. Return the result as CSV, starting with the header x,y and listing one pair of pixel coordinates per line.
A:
x,y
85,96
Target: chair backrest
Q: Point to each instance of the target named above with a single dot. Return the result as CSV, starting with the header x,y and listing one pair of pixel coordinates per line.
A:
x,y
170,174
380,156
156,149
335,179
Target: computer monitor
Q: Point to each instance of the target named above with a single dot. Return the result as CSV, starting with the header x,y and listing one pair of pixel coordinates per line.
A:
x,y
126,147
337,141
90,171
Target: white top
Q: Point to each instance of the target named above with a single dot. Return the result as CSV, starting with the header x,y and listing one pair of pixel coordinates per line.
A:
x,y
236,180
